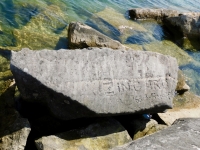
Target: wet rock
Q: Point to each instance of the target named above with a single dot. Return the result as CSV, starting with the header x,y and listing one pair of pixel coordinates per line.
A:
x,y
118,20
115,25
183,134
80,83
83,36
158,14
185,106
169,48
186,23
143,127
104,134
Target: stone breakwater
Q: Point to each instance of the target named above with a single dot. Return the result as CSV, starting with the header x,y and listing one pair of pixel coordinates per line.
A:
x,y
95,82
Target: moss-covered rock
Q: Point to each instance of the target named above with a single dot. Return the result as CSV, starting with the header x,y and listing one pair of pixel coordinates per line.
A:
x,y
169,48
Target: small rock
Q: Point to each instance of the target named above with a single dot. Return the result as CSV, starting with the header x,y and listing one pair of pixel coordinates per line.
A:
x,y
83,36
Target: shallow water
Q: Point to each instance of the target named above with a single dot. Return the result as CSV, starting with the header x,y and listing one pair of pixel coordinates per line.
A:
x,y
40,24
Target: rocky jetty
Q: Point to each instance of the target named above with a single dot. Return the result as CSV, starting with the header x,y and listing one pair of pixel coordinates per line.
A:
x,y
95,82
183,134
185,23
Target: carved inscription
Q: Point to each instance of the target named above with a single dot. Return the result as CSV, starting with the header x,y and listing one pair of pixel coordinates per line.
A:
x,y
116,81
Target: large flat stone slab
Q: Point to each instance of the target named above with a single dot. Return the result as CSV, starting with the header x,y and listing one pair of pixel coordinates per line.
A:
x,y
96,82
184,134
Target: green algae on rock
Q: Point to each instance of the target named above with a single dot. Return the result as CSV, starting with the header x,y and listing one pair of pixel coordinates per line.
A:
x,y
169,48
42,30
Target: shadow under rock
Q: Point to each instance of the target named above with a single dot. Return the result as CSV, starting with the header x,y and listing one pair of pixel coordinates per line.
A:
x,y
62,43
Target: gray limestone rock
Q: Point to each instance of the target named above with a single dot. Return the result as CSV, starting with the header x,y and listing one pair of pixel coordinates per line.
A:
x,y
184,134
96,81
82,36
104,134
158,14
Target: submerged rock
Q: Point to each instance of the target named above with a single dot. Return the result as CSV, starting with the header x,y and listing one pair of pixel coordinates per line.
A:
x,y
169,48
95,82
183,134
118,20
42,30
104,134
157,14
83,36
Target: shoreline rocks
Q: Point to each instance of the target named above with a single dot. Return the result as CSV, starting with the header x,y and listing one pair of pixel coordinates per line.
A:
x,y
184,133
178,23
104,134
80,83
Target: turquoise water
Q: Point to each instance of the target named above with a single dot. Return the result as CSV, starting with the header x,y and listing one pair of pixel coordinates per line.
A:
x,y
40,24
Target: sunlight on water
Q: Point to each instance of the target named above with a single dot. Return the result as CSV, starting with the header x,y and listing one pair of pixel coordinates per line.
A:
x,y
39,24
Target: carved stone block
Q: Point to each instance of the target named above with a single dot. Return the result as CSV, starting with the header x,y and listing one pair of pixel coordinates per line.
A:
x,y
96,82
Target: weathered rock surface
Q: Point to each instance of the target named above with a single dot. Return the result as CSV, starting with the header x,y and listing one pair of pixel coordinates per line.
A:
x,y
83,36
158,14
185,106
183,134
145,127
104,134
96,82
